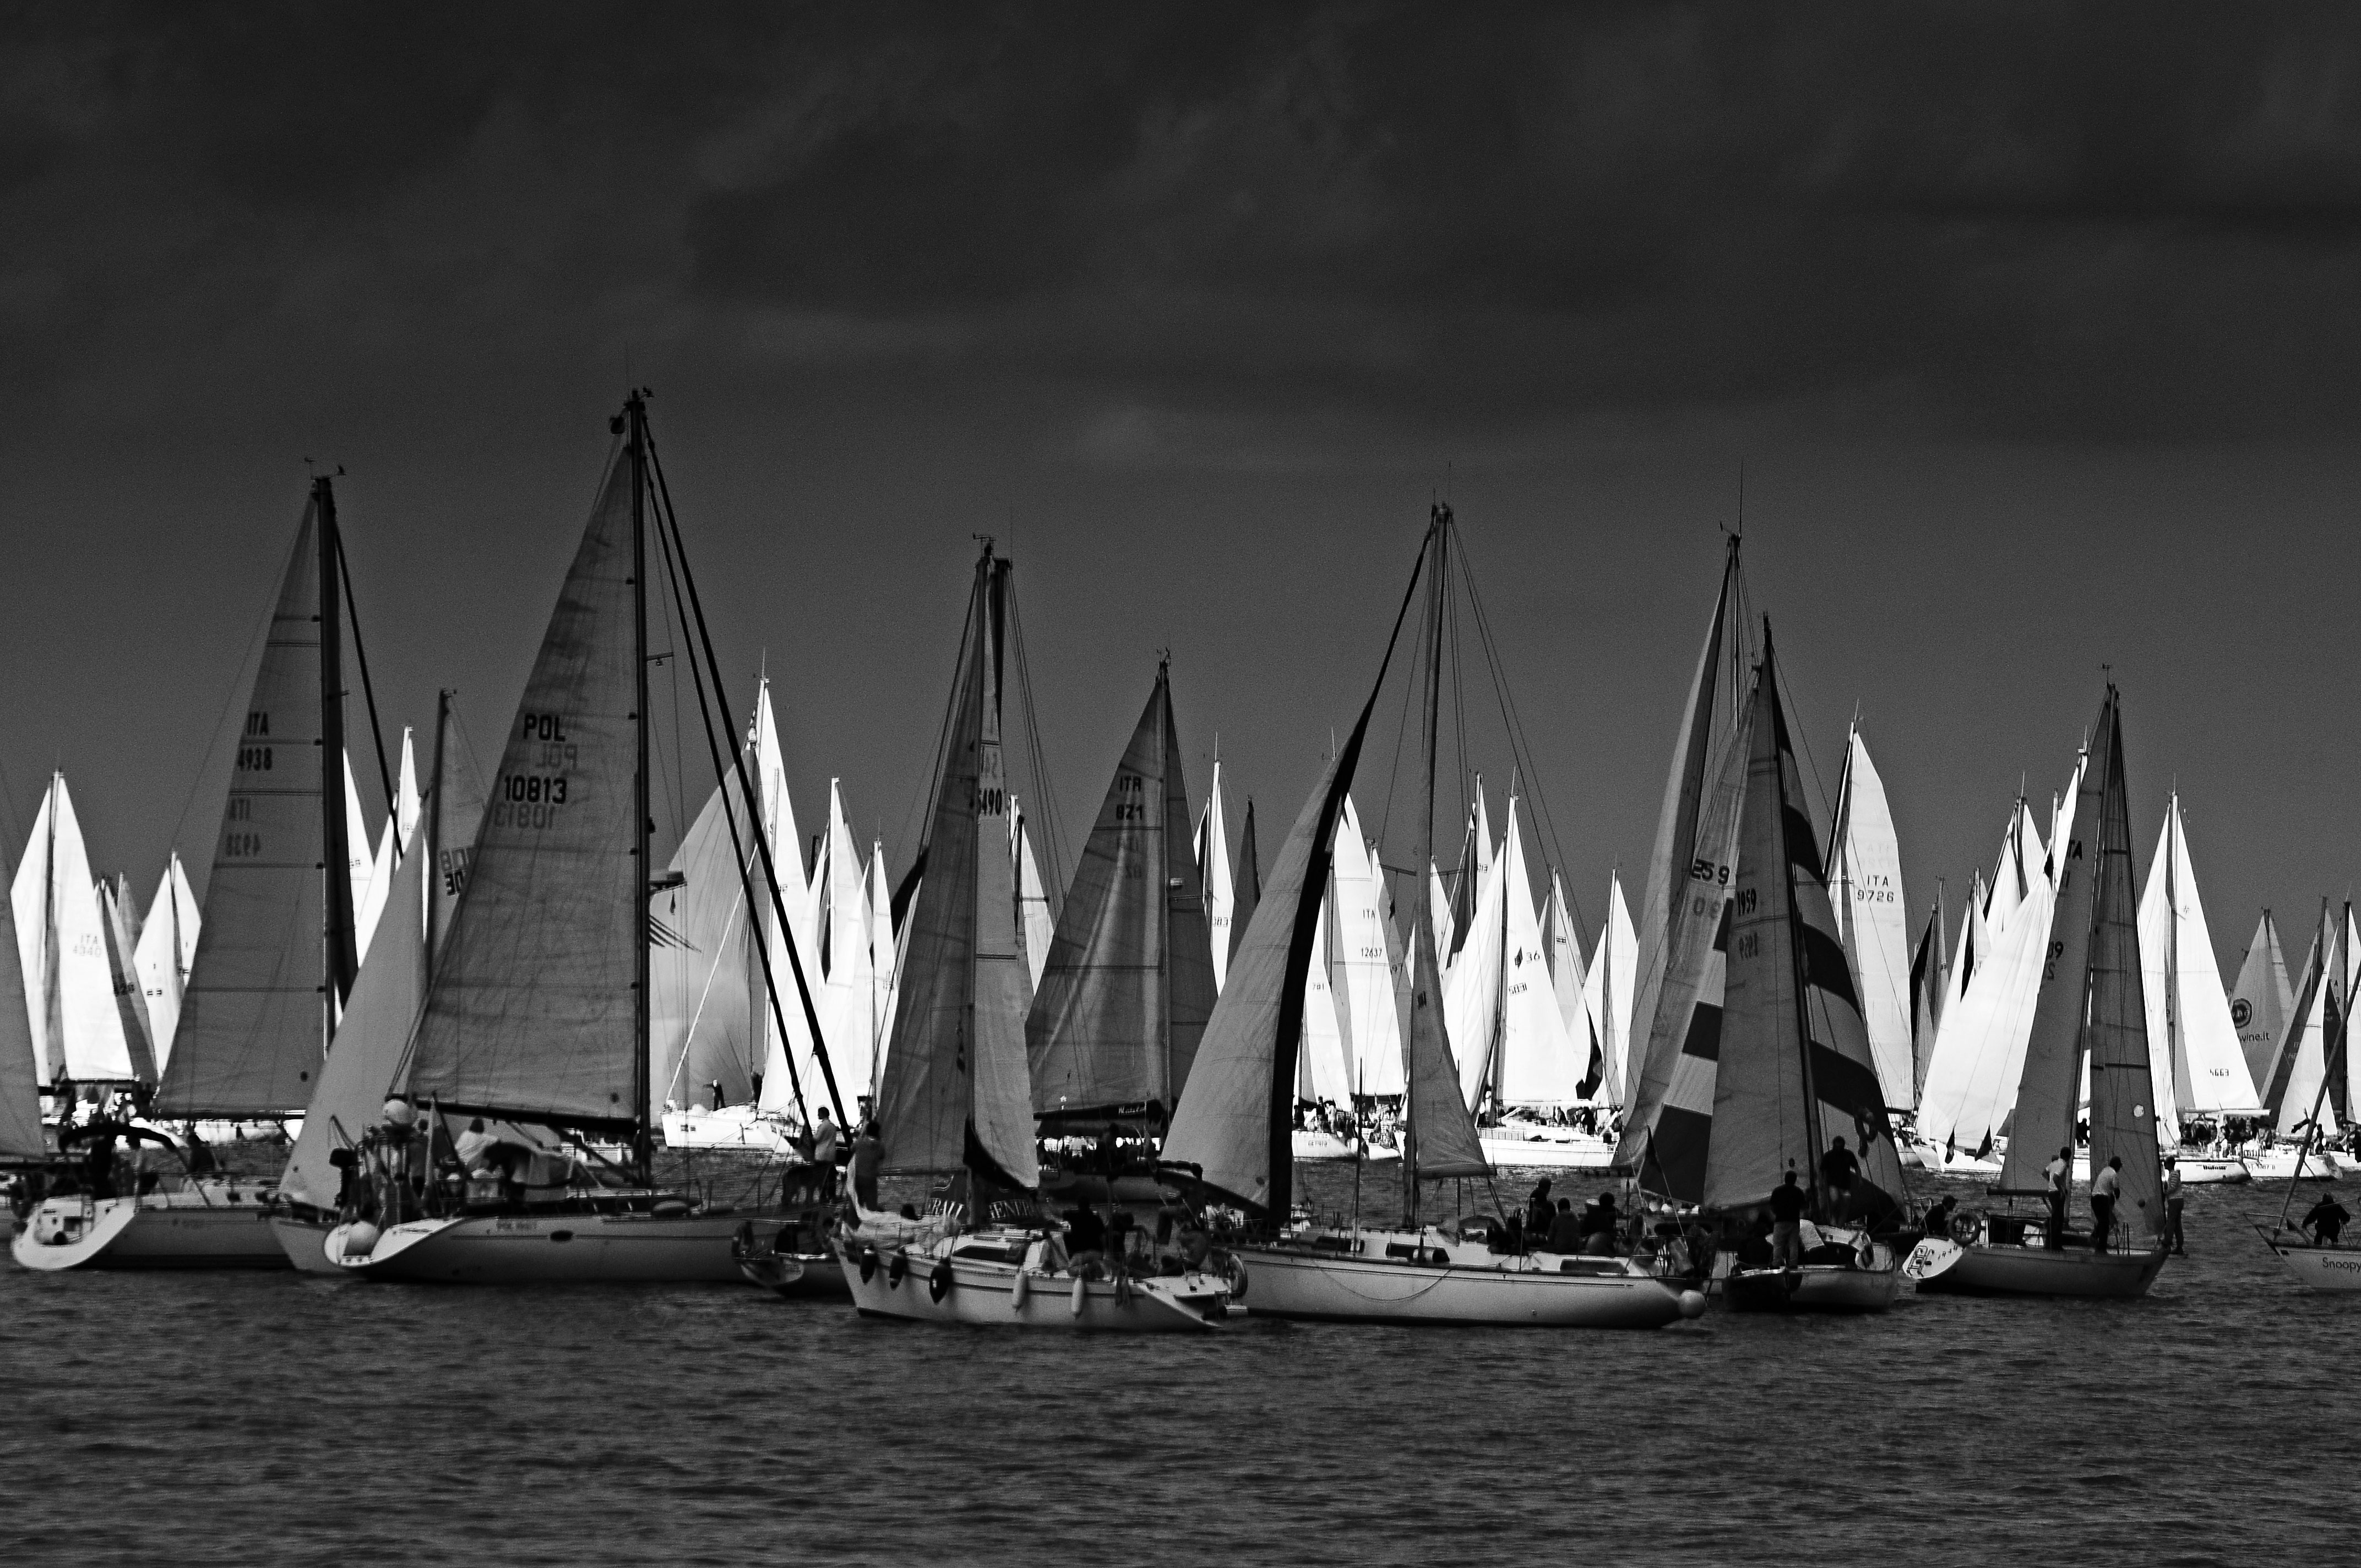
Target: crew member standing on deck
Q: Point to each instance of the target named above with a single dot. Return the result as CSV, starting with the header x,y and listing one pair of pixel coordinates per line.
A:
x,y
1838,1167
1787,1215
2060,1174
2104,1187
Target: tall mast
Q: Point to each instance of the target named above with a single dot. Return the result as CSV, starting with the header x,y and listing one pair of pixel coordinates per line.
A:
x,y
1798,980
342,956
52,997
1437,533
643,1153
435,823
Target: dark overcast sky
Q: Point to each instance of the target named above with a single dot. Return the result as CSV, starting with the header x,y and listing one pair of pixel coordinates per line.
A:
x,y
2035,328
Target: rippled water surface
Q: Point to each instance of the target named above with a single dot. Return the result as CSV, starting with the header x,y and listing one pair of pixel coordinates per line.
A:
x,y
267,1417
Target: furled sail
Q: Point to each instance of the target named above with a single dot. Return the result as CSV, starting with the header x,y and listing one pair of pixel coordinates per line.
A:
x,y
429,874
955,1093
1213,848
1609,990
1795,1069
2263,1001
1865,881
254,1018
1362,974
2124,1093
1129,983
61,944
531,1014
2193,1043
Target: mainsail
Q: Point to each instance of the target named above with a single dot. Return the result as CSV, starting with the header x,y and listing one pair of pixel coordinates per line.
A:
x,y
846,999
265,979
1927,967
2194,1044
1609,989
1130,981
2263,1002
117,924
1248,890
20,1071
1539,1062
955,1093
704,981
1471,993
166,947
71,1005
1037,925
2114,1027
2298,1065
1865,884
1213,849
1362,973
532,1013
1794,1069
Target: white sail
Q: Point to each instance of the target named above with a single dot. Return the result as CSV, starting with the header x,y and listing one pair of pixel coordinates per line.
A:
x,y
704,981
1362,975
405,793
768,763
1324,1070
1036,927
167,944
885,964
1865,884
1608,991
1483,835
2191,1039
2018,868
1213,869
1471,993
1540,1064
2306,1050
70,999
848,998
21,1136
2263,1001
364,865
1568,977
1439,904
117,924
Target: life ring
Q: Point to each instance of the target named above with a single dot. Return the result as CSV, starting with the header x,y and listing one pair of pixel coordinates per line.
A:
x,y
1964,1228
897,1271
1234,1273
938,1279
868,1264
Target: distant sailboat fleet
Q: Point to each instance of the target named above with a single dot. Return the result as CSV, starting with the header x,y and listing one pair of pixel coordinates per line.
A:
x,y
517,1032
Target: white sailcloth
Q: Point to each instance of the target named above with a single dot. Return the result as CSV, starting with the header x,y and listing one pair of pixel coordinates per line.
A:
x,y
1865,885
1323,1070
848,998
1362,977
2308,1046
2263,1001
768,763
1541,1064
70,999
1471,993
167,944
1607,992
1214,867
363,864
885,964
2193,1043
1439,905
704,981
1567,978
1037,926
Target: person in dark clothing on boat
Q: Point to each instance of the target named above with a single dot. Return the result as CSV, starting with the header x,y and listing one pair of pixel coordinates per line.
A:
x,y
99,1163
1787,1215
1539,1210
2326,1220
1601,1227
1939,1217
2059,1173
2172,1201
197,1158
1565,1229
1753,1248
866,1155
1838,1167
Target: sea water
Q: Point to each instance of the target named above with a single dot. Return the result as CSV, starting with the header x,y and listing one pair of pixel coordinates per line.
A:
x,y
268,1418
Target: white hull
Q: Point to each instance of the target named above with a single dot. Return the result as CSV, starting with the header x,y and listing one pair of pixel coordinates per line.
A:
x,y
1511,1150
2275,1162
537,1249
2333,1268
732,1127
1316,1146
198,1229
922,1288
301,1241
2196,1171
1303,1281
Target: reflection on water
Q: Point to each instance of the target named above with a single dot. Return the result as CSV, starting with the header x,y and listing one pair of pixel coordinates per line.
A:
x,y
276,1417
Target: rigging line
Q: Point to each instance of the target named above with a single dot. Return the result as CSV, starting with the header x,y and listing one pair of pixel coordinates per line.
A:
x,y
360,657
753,807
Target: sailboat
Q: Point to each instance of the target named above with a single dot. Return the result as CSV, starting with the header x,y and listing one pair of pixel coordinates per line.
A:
x,y
1113,1030
275,956
1230,1136
354,1111
1212,847
2334,1267
1795,1069
1865,884
536,1020
80,1040
166,951
2092,1006
24,1142
2263,1000
2296,1112
2196,1064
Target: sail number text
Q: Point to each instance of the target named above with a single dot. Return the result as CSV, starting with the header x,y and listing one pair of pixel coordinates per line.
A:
x,y
1702,870
1131,798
